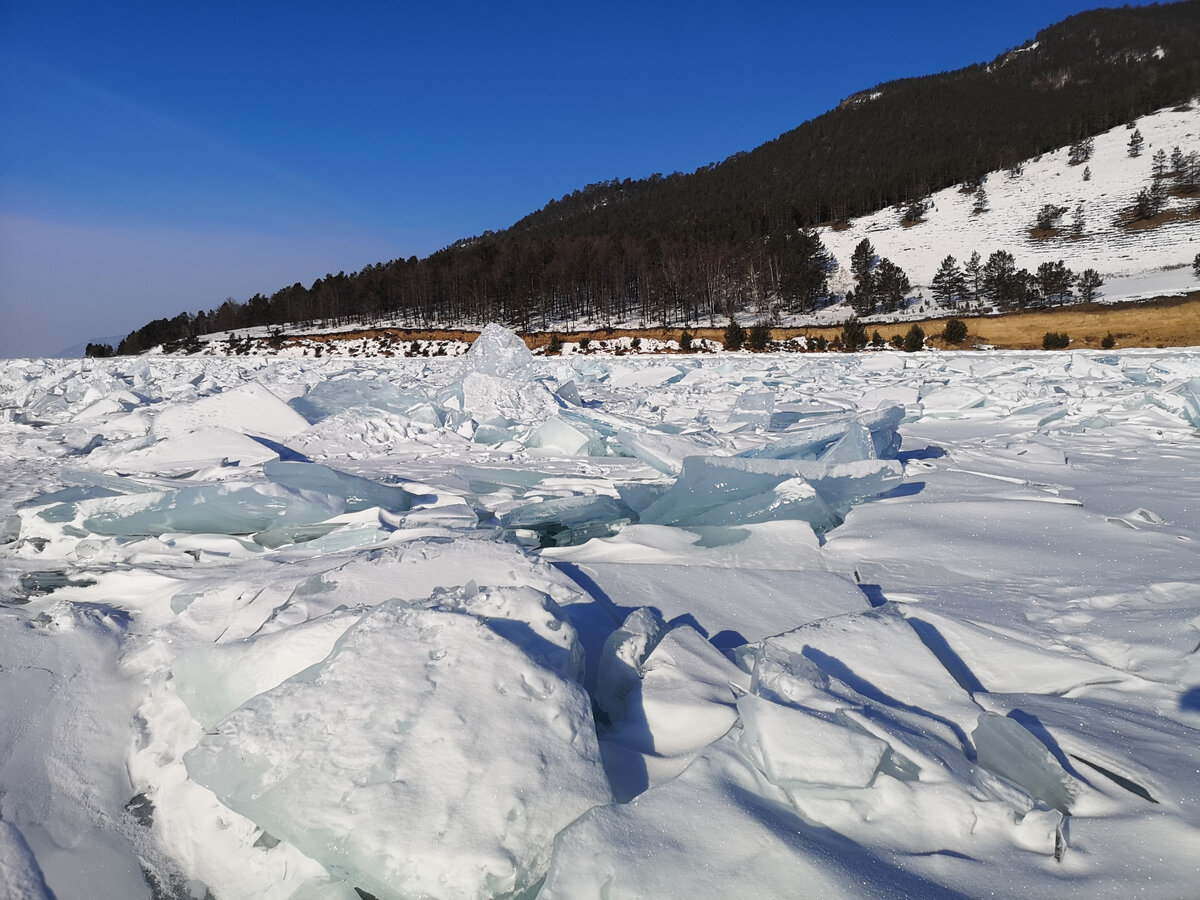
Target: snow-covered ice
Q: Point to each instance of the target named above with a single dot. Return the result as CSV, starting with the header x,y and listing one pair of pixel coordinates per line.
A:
x,y
500,625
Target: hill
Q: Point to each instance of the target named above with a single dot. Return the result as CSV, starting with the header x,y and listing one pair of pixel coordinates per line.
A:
x,y
734,236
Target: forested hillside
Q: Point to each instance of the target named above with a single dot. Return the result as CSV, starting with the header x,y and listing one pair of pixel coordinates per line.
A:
x,y
690,248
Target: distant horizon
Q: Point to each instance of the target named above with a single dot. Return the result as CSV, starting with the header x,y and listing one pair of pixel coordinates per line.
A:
x,y
161,158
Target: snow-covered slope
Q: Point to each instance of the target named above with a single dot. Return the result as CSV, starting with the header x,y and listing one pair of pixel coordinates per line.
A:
x,y
1134,263
675,627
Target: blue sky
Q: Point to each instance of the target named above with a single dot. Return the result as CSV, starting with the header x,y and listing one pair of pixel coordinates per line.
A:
x,y
162,155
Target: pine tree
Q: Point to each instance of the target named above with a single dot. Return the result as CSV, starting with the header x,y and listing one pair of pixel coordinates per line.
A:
x,y
955,331
1049,215
735,335
1136,141
973,271
1089,285
1143,206
914,212
1159,166
804,270
862,266
1080,151
1189,173
1078,221
999,279
854,334
981,200
949,284
891,285
759,336
1054,281
914,340
1087,173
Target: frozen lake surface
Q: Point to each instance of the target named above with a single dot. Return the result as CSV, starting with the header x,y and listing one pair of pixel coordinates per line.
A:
x,y
685,626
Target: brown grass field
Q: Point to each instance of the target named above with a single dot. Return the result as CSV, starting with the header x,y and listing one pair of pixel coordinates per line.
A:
x,y
1170,322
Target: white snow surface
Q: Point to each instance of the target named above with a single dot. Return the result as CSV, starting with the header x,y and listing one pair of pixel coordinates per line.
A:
x,y
504,626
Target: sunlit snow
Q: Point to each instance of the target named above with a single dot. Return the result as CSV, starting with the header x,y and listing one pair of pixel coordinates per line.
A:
x,y
498,625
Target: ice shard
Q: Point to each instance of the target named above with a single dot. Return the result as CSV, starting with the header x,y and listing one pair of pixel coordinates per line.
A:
x,y
1005,747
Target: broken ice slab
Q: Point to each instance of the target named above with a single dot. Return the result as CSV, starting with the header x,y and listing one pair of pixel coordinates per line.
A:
x,y
556,435
877,654
492,398
683,702
625,650
274,538
795,747
1005,747
38,584
215,679
181,454
429,719
68,495
716,832
816,439
22,876
119,484
754,409
666,452
207,509
950,402
568,393
335,395
715,490
1190,393
491,433
325,537
357,492
564,521
249,408
482,480
1131,754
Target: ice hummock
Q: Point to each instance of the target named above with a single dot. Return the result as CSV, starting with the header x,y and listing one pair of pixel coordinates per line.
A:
x,y
498,352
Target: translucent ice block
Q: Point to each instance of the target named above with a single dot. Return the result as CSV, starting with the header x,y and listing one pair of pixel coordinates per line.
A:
x,y
433,753
358,493
210,508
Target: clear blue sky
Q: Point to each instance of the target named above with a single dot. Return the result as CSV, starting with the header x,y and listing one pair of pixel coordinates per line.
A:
x,y
162,155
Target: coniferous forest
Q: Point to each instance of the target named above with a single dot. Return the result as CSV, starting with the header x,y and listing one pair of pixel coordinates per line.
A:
x,y
684,249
